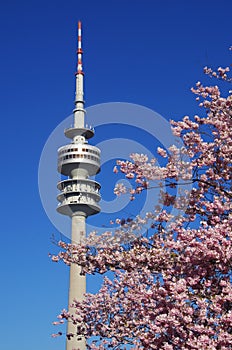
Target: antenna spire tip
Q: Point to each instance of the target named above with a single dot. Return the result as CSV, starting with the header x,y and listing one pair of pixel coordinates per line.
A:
x,y
79,50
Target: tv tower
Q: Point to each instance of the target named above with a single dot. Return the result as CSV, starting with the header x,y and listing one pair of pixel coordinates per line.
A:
x,y
79,196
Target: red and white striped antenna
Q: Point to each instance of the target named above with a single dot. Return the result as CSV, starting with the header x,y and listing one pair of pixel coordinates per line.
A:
x,y
79,51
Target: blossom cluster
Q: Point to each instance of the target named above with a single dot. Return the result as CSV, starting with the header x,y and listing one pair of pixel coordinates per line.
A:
x,y
172,287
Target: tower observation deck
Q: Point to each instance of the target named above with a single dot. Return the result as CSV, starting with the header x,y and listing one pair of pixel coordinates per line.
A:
x,y
79,196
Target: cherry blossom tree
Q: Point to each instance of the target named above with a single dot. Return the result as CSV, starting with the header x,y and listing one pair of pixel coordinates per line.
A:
x,y
172,285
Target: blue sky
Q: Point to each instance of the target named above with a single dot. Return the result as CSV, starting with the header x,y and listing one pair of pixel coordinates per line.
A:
x,y
146,52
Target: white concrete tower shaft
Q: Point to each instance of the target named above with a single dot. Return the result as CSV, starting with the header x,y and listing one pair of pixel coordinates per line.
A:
x,y
77,284
79,196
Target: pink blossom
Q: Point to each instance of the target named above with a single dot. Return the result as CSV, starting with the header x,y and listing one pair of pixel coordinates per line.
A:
x,y
171,287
